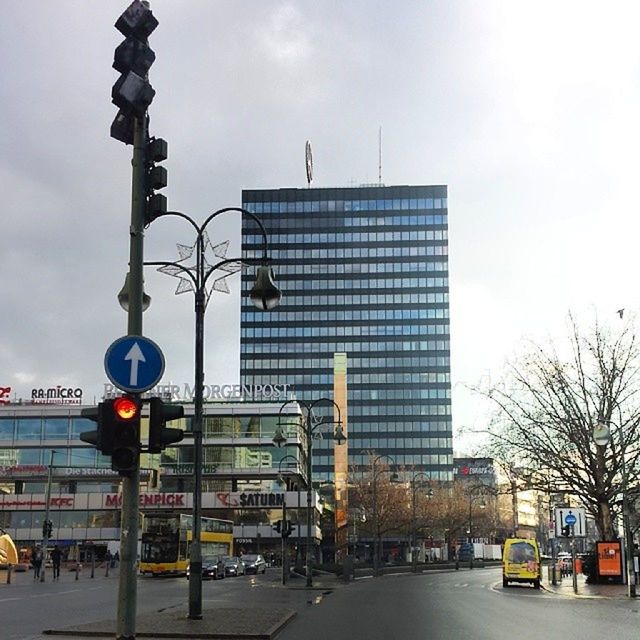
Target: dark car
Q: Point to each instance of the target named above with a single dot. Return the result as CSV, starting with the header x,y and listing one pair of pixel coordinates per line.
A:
x,y
234,566
254,563
212,568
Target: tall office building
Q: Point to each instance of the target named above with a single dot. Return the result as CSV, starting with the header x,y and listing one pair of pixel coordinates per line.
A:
x,y
362,271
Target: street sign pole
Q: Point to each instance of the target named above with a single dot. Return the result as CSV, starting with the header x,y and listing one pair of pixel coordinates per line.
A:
x,y
573,561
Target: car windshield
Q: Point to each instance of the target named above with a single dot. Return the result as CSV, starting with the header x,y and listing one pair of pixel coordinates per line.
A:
x,y
250,558
521,552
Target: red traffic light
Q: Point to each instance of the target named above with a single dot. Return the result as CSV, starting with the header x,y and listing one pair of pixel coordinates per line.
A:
x,y
126,409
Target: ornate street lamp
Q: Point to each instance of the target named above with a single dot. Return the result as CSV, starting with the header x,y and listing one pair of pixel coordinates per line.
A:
x,y
376,532
265,295
311,425
414,541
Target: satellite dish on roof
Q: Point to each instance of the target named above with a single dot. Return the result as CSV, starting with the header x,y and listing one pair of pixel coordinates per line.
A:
x,y
308,161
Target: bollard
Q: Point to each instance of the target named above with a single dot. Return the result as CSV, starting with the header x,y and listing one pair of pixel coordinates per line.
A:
x,y
93,565
77,569
9,570
106,575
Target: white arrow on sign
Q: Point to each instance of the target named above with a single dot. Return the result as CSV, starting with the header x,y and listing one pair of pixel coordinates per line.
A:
x,y
135,355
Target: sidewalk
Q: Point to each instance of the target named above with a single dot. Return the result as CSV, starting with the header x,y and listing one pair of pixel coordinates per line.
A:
x,y
565,588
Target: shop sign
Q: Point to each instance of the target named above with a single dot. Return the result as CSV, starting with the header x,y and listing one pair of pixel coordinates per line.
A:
x,y
4,395
57,395
23,470
185,392
149,500
187,469
251,499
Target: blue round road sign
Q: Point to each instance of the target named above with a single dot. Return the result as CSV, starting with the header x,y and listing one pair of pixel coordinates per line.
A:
x,y
570,519
134,363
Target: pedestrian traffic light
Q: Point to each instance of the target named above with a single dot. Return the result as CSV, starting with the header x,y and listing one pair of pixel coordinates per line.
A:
x,y
159,414
47,528
566,531
102,437
156,178
122,420
132,93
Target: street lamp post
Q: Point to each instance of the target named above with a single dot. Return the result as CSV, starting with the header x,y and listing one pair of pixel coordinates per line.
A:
x,y
602,436
46,529
472,498
414,540
282,483
376,533
310,428
266,296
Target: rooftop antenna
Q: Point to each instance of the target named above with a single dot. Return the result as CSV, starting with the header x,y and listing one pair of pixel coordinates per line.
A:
x,y
308,160
380,155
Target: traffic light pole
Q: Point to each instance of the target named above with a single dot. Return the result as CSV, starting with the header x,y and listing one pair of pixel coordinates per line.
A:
x,y
285,567
127,584
45,525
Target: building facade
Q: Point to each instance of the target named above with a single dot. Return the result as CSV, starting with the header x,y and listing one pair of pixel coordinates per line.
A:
x,y
242,473
363,271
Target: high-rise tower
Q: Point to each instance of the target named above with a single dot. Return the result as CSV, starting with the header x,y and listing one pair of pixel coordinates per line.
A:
x,y
363,271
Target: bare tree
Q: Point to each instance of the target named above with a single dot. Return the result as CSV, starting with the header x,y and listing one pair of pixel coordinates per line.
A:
x,y
549,404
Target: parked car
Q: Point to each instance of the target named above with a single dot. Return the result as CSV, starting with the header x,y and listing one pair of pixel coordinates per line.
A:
x,y
212,568
234,566
254,563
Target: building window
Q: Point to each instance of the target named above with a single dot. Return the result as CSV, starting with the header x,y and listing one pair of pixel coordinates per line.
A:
x,y
29,429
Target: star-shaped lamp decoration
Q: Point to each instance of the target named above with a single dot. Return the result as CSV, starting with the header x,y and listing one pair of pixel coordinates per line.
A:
x,y
219,251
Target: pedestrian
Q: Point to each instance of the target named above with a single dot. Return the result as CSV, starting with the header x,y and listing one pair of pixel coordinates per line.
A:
x,y
109,559
36,559
56,558
116,558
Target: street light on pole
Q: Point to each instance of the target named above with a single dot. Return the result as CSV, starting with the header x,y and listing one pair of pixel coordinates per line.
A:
x,y
602,437
264,295
414,541
46,525
472,498
310,426
282,483
376,533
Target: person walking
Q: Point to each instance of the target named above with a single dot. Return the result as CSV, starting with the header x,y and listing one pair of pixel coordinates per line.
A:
x,y
36,559
56,558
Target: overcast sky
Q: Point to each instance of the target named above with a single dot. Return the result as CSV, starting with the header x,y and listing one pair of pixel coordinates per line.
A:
x,y
529,113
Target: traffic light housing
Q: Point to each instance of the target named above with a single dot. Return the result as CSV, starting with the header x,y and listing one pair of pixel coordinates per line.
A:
x,y
102,437
122,420
132,93
47,528
288,530
278,526
159,414
566,530
156,178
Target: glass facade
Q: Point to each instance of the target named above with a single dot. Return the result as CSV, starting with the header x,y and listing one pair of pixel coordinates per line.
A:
x,y
362,271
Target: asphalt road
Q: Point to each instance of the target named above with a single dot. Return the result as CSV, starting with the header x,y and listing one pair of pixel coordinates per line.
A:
x,y
463,605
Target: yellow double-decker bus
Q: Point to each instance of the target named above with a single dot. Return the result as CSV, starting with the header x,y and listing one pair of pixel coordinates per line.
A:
x,y
166,539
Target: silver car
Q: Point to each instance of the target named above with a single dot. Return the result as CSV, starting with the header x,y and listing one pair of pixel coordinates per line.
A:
x,y
234,566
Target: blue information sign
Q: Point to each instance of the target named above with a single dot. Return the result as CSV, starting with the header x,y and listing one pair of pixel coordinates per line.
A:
x,y
134,363
570,519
